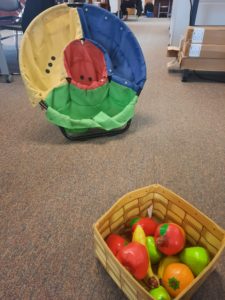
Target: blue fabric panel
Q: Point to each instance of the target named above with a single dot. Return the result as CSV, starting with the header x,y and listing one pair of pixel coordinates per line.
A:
x,y
106,56
86,31
120,43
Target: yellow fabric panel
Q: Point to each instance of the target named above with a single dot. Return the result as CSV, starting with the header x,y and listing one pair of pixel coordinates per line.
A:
x,y
42,49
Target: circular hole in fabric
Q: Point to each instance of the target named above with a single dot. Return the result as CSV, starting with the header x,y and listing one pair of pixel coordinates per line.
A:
x,y
84,57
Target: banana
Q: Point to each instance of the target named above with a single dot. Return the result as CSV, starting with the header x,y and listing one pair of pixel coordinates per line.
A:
x,y
139,236
151,279
164,262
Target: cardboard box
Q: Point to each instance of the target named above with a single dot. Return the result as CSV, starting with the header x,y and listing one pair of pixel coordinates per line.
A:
x,y
203,50
206,35
201,64
131,11
172,51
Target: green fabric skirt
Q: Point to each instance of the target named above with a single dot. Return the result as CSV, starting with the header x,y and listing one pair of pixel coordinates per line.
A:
x,y
108,107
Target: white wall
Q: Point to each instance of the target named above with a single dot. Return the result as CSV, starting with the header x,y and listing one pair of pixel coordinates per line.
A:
x,y
179,21
114,5
210,12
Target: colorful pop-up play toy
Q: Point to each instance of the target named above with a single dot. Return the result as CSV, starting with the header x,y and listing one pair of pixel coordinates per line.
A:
x,y
85,67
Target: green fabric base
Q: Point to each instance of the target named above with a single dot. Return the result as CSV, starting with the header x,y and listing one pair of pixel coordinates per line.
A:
x,y
107,107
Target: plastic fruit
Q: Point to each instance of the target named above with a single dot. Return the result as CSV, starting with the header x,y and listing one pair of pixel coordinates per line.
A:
x,y
164,262
159,293
132,222
169,238
134,257
197,258
153,252
140,237
176,278
148,224
115,242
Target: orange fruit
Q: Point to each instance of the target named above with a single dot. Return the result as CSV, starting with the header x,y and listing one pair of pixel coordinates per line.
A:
x,y
176,278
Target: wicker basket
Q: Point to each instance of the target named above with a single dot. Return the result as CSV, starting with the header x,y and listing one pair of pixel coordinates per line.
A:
x,y
168,207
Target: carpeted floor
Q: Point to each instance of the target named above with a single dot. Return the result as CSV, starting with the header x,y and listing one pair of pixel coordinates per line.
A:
x,y
52,190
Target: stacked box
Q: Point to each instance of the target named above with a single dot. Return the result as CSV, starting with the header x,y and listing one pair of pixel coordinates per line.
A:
x,y
203,49
206,35
131,11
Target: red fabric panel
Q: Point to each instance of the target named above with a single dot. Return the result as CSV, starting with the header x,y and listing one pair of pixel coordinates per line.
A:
x,y
85,64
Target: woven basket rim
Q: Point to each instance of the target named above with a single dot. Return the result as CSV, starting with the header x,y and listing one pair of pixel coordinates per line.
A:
x,y
154,188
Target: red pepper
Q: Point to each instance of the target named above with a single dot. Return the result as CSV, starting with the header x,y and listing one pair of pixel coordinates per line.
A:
x,y
115,242
148,224
134,257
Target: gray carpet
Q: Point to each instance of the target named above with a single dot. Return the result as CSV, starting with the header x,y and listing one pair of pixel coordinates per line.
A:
x,y
52,190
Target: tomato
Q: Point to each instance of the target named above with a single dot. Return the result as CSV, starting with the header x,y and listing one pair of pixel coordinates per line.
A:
x,y
176,278
169,238
115,242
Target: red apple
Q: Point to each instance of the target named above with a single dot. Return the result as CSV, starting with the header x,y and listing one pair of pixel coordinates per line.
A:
x,y
134,257
115,242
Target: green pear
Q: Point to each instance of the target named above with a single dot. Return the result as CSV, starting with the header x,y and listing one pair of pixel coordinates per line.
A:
x,y
153,252
196,258
159,293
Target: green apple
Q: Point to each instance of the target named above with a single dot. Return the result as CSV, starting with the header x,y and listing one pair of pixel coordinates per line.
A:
x,y
196,258
153,252
159,293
